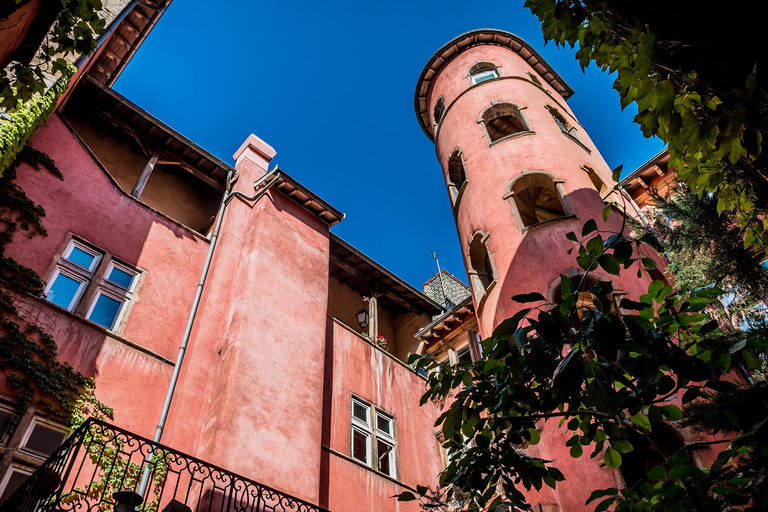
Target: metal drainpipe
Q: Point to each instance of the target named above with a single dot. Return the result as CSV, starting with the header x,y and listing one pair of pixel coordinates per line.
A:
x,y
196,303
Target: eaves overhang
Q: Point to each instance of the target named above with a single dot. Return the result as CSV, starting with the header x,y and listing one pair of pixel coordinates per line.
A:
x,y
301,195
484,36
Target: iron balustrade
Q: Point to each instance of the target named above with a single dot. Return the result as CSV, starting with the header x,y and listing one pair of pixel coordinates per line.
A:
x,y
99,460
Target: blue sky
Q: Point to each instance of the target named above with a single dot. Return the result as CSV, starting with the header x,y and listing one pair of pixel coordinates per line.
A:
x,y
330,86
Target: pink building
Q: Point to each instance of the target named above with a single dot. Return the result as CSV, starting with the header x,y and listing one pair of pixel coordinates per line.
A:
x,y
285,382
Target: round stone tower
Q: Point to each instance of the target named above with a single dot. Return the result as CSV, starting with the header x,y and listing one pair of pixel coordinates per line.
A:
x,y
521,172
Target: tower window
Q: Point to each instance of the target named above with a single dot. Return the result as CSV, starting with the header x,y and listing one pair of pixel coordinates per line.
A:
x,y
481,271
602,188
373,437
482,71
439,109
503,120
457,175
566,128
536,198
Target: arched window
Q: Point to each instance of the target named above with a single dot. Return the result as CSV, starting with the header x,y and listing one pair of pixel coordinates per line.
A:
x,y
602,187
439,109
503,120
457,175
481,270
537,197
482,71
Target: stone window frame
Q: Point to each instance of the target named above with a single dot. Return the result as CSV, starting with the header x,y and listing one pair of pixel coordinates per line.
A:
x,y
577,273
521,114
479,290
605,190
439,111
95,282
370,429
559,184
13,457
565,127
480,66
456,190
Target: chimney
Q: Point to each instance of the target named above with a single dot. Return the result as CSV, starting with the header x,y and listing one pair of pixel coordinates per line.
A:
x,y
253,157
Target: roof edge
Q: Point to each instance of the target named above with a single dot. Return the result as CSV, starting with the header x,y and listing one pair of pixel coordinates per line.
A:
x,y
567,92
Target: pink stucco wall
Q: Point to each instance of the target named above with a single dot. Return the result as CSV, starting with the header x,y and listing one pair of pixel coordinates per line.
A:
x,y
355,366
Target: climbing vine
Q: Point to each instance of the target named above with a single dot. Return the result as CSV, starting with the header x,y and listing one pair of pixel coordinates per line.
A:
x,y
18,125
29,356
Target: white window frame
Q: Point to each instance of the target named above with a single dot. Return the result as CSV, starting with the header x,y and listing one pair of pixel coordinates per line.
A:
x,y
124,268
8,473
120,310
75,271
481,74
4,437
54,426
373,435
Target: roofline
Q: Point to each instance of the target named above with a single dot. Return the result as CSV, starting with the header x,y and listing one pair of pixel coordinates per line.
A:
x,y
336,238
442,270
285,180
556,82
152,119
424,330
655,158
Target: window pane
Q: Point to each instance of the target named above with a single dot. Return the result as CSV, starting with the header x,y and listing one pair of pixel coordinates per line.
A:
x,y
385,457
105,311
5,418
81,257
44,439
384,424
18,476
63,290
360,411
463,355
120,277
360,446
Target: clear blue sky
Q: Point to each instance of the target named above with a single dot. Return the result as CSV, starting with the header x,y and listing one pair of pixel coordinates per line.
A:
x,y
330,86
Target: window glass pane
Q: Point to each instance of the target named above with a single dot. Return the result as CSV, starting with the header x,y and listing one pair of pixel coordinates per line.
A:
x,y
120,277
63,290
5,418
81,257
463,355
44,439
360,446
18,476
483,75
384,424
105,311
360,411
384,452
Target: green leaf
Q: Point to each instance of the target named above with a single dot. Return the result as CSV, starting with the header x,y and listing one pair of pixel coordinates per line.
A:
x,y
611,457
672,412
535,436
576,451
641,420
657,474
621,445
609,264
617,173
606,212
571,236
589,227
600,493
405,496
603,505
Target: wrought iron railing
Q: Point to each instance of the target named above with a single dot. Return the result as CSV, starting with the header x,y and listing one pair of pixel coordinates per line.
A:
x,y
100,465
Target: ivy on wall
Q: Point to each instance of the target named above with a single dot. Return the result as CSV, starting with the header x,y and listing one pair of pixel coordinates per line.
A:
x,y
20,124
29,356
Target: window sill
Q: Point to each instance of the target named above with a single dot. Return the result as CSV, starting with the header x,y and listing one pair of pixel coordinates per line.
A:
x,y
492,143
481,302
369,468
577,141
538,225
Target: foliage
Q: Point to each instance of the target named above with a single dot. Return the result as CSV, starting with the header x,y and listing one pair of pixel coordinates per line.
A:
x,y
695,84
18,125
616,382
705,248
28,356
74,32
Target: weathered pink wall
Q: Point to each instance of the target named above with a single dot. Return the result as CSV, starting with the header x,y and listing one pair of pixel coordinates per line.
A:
x,y
88,203
257,352
353,365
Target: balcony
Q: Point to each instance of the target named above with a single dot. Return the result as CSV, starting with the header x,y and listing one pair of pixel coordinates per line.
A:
x,y
100,469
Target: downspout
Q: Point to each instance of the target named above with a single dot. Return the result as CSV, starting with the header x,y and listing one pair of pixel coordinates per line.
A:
x,y
228,196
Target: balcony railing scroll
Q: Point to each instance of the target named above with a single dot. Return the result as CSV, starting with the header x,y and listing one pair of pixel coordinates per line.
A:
x,y
99,469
